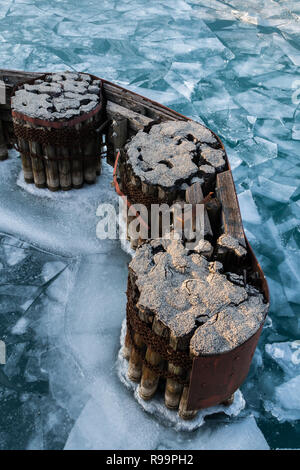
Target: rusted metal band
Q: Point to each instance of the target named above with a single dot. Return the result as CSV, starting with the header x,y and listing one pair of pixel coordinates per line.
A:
x,y
63,137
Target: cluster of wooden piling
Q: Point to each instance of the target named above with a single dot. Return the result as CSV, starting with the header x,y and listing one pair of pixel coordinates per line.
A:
x,y
47,112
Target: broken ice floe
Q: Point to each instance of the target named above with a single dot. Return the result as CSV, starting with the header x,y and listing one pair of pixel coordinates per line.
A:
x,y
285,403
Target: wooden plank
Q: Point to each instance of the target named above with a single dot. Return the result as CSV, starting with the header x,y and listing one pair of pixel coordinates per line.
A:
x,y
231,216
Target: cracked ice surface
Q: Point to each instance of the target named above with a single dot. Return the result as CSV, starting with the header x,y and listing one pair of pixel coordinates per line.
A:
x,y
233,66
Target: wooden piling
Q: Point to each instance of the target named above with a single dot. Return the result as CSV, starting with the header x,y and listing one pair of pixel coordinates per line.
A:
x,y
127,346
184,297
26,160
77,166
162,176
90,164
117,136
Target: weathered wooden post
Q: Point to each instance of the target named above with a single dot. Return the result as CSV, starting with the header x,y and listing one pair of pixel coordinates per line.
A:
x,y
57,120
182,307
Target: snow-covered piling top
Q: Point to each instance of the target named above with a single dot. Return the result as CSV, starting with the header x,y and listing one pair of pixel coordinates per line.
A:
x,y
213,312
173,153
59,96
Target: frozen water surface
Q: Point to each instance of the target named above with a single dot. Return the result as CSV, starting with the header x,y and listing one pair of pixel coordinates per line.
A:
x,y
233,66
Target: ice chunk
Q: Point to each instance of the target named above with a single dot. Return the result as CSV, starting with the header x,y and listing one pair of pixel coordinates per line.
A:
x,y
257,150
157,408
263,106
51,269
285,403
296,126
129,427
240,434
290,276
243,39
288,49
20,327
214,98
12,366
185,87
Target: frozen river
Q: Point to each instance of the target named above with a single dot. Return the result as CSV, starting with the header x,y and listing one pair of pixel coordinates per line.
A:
x,y
231,65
